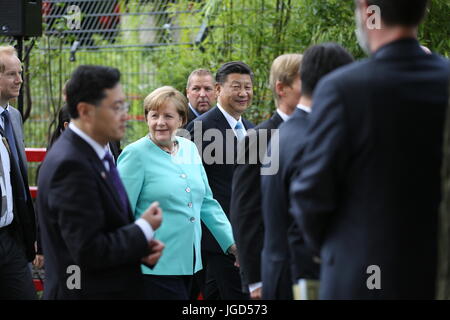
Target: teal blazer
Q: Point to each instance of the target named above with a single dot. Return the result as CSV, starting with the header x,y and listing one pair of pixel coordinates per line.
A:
x,y
180,185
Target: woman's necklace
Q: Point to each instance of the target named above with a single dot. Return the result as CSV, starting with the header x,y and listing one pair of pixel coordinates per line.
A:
x,y
167,149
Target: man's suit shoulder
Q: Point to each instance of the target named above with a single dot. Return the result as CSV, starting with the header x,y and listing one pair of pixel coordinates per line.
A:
x,y
14,111
348,74
293,126
63,150
362,73
212,118
269,124
207,119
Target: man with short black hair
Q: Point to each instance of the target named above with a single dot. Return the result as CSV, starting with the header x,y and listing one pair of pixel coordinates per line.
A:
x,y
92,244
369,189
234,89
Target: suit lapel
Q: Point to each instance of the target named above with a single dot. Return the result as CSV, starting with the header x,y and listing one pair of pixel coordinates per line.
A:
x,y
20,170
191,115
106,180
221,122
302,113
98,167
18,138
223,125
276,120
247,124
115,149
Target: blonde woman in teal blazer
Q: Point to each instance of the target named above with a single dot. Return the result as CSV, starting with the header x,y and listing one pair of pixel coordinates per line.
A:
x,y
165,168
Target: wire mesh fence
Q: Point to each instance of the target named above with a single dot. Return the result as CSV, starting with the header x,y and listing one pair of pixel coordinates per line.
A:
x,y
117,33
137,78
115,23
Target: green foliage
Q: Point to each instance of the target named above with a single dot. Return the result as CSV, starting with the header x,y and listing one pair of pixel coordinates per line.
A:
x,y
257,31
254,31
435,32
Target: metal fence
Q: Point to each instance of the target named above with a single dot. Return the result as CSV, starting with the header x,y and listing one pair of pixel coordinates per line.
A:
x,y
117,33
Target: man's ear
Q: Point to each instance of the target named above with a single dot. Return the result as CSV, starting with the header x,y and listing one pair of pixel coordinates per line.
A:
x,y
218,89
279,88
85,110
362,8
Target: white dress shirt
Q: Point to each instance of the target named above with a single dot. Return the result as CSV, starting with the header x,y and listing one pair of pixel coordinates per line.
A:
x,y
304,108
5,185
232,121
283,115
193,110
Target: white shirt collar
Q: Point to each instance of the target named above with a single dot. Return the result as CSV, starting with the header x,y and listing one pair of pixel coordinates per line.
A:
x,y
193,110
3,108
98,148
304,108
230,119
283,115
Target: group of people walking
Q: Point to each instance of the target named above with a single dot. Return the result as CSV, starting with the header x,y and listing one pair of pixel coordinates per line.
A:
x,y
337,191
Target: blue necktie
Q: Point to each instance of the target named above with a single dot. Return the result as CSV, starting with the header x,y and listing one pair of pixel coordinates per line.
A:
x,y
10,135
239,129
117,182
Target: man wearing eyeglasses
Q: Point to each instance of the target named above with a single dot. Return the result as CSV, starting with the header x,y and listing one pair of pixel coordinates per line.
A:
x,y
92,244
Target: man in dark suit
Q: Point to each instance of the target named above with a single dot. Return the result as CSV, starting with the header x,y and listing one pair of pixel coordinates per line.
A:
x,y
17,222
216,134
286,258
245,208
369,189
200,92
93,248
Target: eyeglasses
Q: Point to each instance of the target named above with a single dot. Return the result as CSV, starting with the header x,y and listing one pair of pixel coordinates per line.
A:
x,y
122,108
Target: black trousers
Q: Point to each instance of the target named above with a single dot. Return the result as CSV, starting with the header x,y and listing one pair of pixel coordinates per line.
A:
x,y
223,281
198,285
167,287
16,282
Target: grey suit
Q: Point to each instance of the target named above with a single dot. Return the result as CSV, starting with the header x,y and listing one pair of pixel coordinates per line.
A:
x,y
17,124
24,224
18,238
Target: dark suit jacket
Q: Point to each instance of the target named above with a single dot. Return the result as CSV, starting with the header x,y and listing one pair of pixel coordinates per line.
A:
x,y
191,116
115,149
24,223
82,224
286,258
245,207
370,185
220,175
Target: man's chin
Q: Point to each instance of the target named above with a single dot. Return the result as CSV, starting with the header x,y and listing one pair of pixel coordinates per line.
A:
x,y
242,107
202,111
118,136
